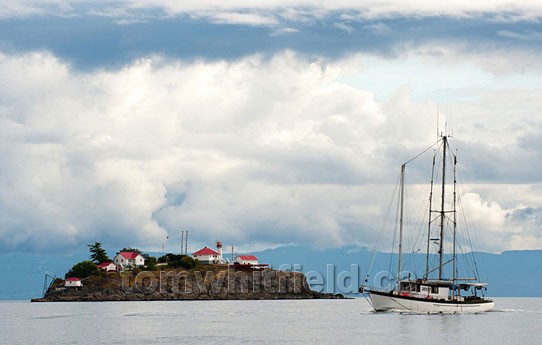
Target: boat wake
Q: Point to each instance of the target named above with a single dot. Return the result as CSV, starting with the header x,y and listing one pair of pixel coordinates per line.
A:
x,y
507,311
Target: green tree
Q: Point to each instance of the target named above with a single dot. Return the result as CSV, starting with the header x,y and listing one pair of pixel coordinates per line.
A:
x,y
166,258
83,269
131,250
188,262
150,262
97,253
176,260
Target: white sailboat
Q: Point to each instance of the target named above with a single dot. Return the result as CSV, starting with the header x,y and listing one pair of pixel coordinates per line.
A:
x,y
441,288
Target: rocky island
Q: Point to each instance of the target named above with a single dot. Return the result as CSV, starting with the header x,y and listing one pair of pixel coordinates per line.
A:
x,y
134,276
217,282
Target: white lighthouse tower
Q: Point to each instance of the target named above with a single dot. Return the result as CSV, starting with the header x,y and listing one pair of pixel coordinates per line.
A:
x,y
219,251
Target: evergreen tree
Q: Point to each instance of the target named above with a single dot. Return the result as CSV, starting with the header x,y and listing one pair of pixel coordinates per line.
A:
x,y
129,249
97,253
83,269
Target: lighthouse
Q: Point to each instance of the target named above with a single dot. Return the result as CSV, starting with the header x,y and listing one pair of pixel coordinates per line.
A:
x,y
219,250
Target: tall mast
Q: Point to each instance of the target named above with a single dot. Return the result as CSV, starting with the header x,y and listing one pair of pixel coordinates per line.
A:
x,y
442,213
401,200
454,273
426,275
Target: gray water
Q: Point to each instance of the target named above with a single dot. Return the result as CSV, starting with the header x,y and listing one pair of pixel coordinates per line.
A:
x,y
515,321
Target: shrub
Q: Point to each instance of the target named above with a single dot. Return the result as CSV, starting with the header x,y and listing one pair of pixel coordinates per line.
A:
x,y
150,263
176,261
83,269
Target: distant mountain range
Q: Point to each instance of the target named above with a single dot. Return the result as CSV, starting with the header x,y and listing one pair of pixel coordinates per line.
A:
x,y
511,273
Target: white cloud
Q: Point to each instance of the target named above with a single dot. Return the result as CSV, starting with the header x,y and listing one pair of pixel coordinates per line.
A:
x,y
284,31
23,8
243,18
368,8
496,227
502,10
94,155
344,27
527,36
380,28
260,150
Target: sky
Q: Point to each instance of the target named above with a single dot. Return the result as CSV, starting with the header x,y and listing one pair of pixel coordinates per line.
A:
x,y
261,123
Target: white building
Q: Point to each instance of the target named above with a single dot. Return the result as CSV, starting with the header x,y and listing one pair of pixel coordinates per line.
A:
x,y
207,256
73,282
246,260
129,259
108,266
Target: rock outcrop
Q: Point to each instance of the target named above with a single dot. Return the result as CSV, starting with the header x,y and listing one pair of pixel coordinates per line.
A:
x,y
213,284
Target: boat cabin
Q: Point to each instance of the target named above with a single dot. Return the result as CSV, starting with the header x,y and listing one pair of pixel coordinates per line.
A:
x,y
438,290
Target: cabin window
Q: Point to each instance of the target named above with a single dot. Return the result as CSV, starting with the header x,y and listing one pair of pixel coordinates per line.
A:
x,y
434,289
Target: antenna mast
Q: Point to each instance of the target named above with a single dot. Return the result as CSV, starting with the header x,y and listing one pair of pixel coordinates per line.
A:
x,y
186,244
182,241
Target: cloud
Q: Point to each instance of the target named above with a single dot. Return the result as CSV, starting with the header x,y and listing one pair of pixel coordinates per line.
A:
x,y
284,31
528,36
96,156
112,34
344,27
497,227
243,18
502,10
260,150
528,222
380,28
24,8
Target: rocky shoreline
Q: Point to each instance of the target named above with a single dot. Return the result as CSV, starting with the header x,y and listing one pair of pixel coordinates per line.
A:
x,y
212,284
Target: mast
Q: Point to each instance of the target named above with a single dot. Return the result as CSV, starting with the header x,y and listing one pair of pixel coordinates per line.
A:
x,y
401,200
454,273
442,213
426,275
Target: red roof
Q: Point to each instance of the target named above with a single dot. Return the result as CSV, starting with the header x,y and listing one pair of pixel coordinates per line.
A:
x,y
73,279
129,255
248,257
104,264
205,251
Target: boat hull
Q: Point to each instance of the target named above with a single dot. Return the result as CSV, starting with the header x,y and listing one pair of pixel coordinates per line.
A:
x,y
382,301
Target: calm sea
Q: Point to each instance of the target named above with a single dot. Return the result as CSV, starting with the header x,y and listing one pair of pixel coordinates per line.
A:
x,y
515,321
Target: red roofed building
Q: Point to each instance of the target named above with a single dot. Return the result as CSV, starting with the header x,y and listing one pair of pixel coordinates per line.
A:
x,y
73,282
207,256
108,266
246,260
129,259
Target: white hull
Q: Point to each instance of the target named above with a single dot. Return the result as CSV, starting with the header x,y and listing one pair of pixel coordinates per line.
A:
x,y
384,302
